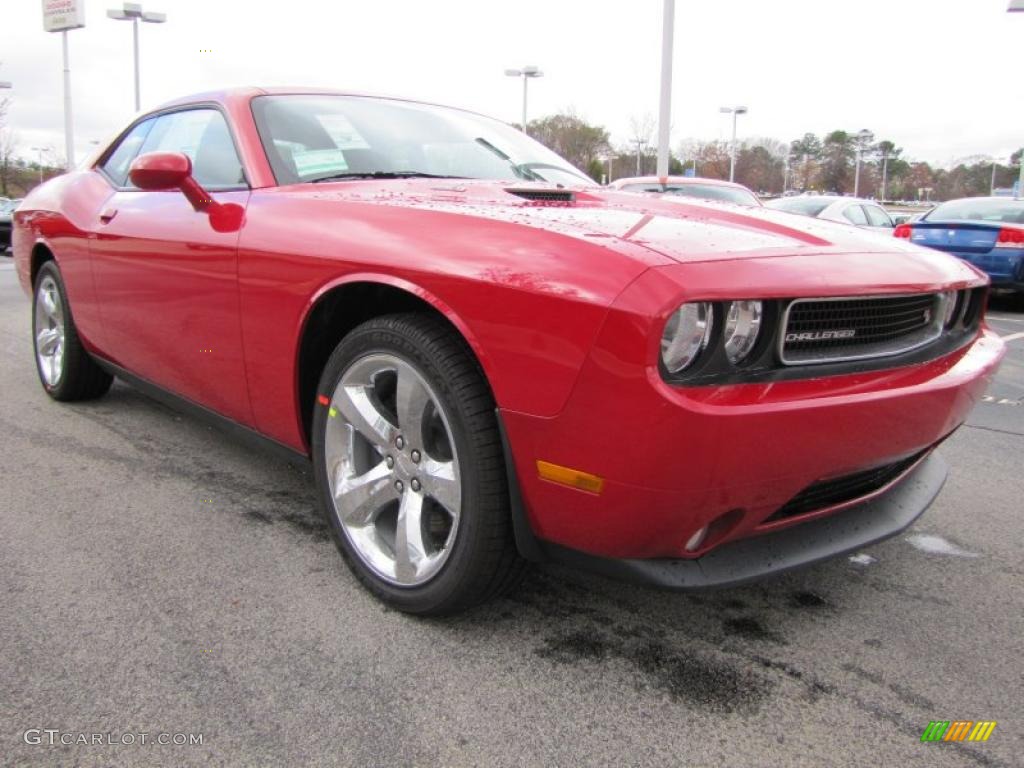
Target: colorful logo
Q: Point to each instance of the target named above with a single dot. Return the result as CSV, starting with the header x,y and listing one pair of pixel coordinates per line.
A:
x,y
958,730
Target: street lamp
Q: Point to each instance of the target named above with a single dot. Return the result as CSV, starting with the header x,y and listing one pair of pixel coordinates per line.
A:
x,y
861,138
526,73
133,12
735,112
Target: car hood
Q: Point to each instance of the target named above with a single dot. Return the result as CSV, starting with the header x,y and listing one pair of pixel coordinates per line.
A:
x,y
679,229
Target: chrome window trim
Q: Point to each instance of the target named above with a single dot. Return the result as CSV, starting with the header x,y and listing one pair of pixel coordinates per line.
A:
x,y
936,328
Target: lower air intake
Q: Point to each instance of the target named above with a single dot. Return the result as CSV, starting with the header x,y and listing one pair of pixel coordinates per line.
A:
x,y
839,490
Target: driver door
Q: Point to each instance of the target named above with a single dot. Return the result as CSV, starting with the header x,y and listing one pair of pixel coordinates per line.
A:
x,y
166,280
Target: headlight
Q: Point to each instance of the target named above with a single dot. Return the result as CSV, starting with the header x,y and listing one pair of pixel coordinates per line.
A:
x,y
686,334
742,325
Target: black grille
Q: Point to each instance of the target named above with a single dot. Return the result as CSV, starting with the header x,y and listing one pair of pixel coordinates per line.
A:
x,y
839,490
825,330
544,195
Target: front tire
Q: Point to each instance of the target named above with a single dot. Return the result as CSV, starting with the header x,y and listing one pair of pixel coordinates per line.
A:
x,y
66,370
409,467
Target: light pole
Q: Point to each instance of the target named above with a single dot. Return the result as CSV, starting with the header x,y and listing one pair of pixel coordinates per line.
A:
x,y
39,155
1017,6
860,138
665,105
735,112
526,73
992,186
133,12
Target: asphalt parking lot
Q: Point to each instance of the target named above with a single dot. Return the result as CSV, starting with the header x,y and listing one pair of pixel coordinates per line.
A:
x,y
159,577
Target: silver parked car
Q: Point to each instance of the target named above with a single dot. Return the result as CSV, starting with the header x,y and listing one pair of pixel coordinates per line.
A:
x,y
846,210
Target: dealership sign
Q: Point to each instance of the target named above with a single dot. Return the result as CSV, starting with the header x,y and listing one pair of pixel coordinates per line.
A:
x,y
60,15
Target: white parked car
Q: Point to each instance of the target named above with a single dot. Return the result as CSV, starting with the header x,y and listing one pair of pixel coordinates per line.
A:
x,y
847,210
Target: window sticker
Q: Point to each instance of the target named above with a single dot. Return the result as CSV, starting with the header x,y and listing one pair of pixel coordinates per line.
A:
x,y
342,132
314,162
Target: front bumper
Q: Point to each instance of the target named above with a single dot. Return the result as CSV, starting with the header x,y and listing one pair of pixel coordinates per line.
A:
x,y
676,459
884,516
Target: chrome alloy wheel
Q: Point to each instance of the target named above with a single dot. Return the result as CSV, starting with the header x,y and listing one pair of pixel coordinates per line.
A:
x,y
49,330
393,469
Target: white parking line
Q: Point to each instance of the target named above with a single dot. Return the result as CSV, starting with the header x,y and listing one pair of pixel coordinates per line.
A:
x,y
1013,336
1003,318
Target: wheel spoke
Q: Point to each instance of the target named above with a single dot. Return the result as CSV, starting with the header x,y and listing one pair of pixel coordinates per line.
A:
x,y
360,498
50,303
360,411
441,484
411,401
48,341
409,547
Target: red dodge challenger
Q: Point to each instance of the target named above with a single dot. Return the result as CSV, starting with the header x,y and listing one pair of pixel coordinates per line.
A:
x,y
490,360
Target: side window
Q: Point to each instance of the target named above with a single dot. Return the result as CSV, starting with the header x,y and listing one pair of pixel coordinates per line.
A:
x,y
120,160
877,217
203,135
855,215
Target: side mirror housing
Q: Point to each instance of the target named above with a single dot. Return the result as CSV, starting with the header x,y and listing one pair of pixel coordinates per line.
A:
x,y
157,171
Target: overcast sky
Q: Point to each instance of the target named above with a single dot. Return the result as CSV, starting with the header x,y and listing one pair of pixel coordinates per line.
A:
x,y
939,77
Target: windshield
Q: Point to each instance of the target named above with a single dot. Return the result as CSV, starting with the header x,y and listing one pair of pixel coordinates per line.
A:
x,y
808,206
701,191
979,209
313,137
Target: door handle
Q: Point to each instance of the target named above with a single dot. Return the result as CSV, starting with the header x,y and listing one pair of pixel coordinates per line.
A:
x,y
108,215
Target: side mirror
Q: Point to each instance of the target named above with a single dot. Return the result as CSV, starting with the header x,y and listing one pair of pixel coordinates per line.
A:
x,y
157,171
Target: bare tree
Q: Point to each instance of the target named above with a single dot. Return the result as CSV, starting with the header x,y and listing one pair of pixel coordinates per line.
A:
x,y
641,130
8,165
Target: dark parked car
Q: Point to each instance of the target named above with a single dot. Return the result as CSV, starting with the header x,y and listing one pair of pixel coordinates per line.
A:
x,y
6,216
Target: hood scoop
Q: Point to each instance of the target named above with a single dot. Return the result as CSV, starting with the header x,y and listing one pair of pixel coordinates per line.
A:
x,y
563,196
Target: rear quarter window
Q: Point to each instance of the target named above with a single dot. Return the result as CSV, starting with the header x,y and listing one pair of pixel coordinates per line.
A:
x,y
808,206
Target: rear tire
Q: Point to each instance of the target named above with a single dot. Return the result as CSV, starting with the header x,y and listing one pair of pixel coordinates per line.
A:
x,y
410,469
65,369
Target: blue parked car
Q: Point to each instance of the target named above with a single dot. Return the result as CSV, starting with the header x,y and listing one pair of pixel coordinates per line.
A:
x,y
987,232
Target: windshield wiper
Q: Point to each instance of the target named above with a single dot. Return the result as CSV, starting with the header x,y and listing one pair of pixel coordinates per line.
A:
x,y
382,175
521,171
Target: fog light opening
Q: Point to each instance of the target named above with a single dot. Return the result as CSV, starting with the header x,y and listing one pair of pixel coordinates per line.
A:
x,y
718,529
697,540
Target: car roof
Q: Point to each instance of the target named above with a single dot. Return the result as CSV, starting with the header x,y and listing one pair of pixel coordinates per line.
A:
x,y
1000,198
830,199
245,93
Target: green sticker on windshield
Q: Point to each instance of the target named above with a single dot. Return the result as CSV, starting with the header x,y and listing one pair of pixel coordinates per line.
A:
x,y
315,162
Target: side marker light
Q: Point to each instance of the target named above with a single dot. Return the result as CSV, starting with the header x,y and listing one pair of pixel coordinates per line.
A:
x,y
574,478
